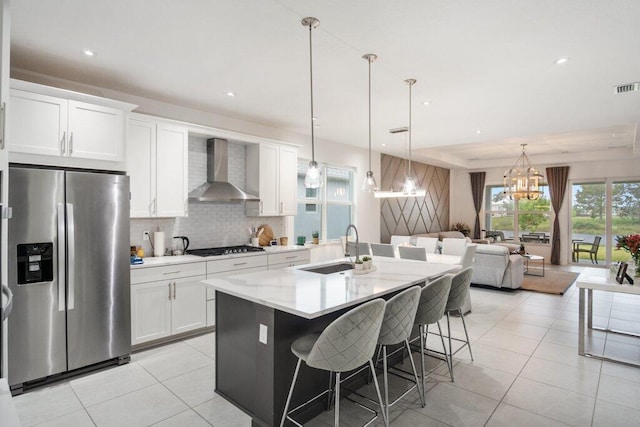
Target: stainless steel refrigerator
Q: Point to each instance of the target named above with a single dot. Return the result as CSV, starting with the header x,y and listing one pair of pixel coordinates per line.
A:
x,y
68,270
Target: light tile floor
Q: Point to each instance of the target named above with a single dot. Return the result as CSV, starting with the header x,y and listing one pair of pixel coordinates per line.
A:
x,y
526,372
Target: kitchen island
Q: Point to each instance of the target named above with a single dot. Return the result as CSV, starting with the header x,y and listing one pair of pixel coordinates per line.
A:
x,y
259,315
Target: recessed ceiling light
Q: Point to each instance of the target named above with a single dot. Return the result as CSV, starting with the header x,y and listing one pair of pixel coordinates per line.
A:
x,y
88,52
314,118
384,145
229,93
478,131
562,60
426,102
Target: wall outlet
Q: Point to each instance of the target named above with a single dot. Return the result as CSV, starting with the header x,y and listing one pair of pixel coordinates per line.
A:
x,y
145,235
262,335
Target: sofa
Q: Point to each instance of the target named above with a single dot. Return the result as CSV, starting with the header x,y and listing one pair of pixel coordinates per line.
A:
x,y
493,264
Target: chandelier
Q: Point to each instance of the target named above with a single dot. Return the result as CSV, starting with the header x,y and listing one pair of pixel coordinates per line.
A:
x,y
522,181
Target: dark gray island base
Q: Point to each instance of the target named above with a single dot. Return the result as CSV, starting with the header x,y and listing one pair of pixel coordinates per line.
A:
x,y
256,376
253,369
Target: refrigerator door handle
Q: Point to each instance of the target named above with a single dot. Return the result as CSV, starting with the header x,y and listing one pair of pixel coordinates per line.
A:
x,y
71,246
62,261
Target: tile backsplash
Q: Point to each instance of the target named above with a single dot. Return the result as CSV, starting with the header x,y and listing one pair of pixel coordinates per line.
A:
x,y
208,224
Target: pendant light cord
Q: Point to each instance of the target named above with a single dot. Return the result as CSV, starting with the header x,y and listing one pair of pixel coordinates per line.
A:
x,y
313,157
369,61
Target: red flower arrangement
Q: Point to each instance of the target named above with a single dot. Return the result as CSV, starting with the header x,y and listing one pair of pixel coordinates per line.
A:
x,y
631,244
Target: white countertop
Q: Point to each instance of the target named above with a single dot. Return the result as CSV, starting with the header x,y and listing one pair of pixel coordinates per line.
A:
x,y
185,259
312,295
600,279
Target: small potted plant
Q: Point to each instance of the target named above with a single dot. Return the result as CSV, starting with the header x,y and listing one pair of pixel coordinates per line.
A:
x,y
358,264
367,262
315,234
462,228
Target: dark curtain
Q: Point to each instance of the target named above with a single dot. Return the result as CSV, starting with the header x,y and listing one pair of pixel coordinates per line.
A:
x,y
557,178
477,190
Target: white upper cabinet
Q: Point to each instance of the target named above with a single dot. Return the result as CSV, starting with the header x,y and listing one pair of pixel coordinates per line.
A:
x,y
157,165
47,125
271,174
95,132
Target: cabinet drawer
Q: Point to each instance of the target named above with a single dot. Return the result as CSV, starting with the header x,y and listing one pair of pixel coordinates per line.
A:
x,y
297,257
150,274
236,263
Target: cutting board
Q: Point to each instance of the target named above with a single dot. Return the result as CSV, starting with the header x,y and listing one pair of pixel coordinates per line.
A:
x,y
267,235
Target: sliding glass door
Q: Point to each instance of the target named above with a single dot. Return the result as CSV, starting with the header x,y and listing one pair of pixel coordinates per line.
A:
x,y
600,211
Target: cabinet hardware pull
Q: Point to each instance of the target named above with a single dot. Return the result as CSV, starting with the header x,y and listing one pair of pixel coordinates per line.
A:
x,y
240,263
281,207
169,291
3,107
63,142
261,210
71,143
292,257
172,272
174,290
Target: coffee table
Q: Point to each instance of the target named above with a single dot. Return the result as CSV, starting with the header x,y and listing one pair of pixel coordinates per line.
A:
x,y
528,258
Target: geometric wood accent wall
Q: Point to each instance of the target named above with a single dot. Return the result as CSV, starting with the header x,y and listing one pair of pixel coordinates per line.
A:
x,y
405,216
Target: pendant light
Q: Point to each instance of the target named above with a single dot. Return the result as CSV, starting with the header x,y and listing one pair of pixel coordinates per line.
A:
x,y
312,178
369,184
522,181
409,188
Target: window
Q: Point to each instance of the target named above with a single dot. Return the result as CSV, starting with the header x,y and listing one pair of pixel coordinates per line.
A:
x,y
328,209
526,219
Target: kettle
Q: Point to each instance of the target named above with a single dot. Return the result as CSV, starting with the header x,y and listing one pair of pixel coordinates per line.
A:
x,y
185,245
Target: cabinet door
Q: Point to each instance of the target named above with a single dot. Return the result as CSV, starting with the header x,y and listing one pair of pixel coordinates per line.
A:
x,y
140,150
189,305
288,180
37,124
150,311
95,132
269,203
171,170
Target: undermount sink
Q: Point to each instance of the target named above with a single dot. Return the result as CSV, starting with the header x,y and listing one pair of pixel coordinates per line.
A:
x,y
330,268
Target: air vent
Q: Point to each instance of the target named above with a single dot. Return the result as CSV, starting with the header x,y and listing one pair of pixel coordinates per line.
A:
x,y
629,87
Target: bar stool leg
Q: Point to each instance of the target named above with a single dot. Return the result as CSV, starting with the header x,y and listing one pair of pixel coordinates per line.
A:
x,y
446,357
330,392
450,347
466,334
293,383
375,382
423,344
336,419
415,372
386,381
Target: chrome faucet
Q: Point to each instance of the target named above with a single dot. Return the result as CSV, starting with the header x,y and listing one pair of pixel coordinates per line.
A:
x,y
346,239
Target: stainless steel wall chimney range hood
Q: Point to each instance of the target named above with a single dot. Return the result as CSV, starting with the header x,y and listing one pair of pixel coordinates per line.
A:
x,y
217,189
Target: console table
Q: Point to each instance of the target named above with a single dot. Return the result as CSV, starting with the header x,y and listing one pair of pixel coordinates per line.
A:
x,y
600,280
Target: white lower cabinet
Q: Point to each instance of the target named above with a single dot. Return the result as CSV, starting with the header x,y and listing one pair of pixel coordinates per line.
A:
x,y
167,300
229,266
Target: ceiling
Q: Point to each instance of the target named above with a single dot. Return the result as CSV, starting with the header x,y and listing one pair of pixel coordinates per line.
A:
x,y
487,68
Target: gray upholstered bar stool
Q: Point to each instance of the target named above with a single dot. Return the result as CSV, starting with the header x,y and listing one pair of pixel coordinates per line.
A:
x,y
346,344
412,252
433,300
460,284
399,316
383,249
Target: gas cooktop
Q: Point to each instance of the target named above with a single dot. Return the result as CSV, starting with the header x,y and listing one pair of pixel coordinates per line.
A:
x,y
226,250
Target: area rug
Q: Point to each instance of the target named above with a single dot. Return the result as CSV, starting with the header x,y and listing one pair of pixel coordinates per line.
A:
x,y
553,282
